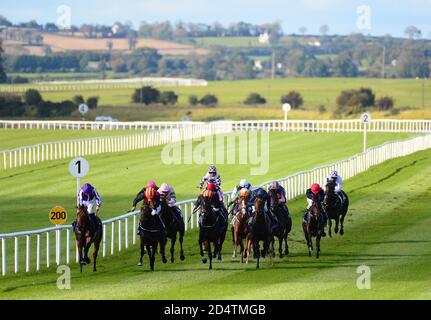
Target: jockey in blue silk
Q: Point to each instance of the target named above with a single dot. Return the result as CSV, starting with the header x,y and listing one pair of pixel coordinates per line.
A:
x,y
88,197
281,193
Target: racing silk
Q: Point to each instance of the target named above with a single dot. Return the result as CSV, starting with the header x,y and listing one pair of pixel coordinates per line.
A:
x,y
208,178
139,197
171,197
90,196
338,183
319,198
281,195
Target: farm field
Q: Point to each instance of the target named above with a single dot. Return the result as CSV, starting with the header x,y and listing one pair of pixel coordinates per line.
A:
x,y
14,138
316,91
231,94
387,229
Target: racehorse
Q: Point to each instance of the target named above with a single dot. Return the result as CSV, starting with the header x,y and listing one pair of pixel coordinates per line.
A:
x,y
86,234
240,227
212,228
260,231
334,209
283,227
151,235
173,226
313,227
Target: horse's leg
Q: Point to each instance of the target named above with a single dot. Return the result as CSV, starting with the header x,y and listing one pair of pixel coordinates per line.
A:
x,y
330,228
173,241
163,242
280,247
95,252
210,256
257,251
337,221
242,249
181,243
286,245
235,242
342,224
86,249
142,252
310,242
318,244
79,246
153,251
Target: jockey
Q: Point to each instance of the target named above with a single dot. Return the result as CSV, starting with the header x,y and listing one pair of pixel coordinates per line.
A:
x,y
209,192
317,194
281,193
152,198
87,196
235,192
168,193
245,193
212,176
141,194
338,180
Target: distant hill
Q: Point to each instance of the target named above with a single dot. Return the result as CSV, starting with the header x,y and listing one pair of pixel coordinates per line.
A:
x,y
63,43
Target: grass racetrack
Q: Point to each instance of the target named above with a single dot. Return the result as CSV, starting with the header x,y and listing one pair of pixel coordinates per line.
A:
x,y
387,229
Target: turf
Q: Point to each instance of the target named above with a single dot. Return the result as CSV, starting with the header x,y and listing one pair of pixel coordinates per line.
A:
x,y
30,192
387,229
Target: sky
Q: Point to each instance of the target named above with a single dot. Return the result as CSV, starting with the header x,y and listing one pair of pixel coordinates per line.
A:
x,y
377,17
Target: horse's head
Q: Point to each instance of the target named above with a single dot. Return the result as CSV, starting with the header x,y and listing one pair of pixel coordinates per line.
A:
x,y
273,198
330,196
82,218
315,209
145,212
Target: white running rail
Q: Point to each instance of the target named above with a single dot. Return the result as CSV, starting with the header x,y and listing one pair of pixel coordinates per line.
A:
x,y
378,125
120,232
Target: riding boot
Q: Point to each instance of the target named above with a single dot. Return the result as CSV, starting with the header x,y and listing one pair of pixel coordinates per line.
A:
x,y
74,225
138,231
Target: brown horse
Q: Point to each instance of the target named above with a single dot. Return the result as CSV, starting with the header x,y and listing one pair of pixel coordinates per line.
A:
x,y
151,235
335,210
313,227
240,227
86,234
173,226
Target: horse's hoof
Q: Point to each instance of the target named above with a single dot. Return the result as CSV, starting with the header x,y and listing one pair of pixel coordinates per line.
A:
x,y
164,260
204,260
139,264
341,232
219,258
286,252
336,230
87,260
281,256
182,257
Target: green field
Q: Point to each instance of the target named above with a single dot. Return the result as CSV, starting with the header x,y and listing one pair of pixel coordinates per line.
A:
x,y
387,229
231,94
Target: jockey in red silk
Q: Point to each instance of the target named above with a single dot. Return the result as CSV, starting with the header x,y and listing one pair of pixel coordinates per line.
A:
x,y
141,194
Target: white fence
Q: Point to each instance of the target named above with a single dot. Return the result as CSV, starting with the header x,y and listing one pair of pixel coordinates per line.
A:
x,y
120,232
28,155
108,84
379,125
